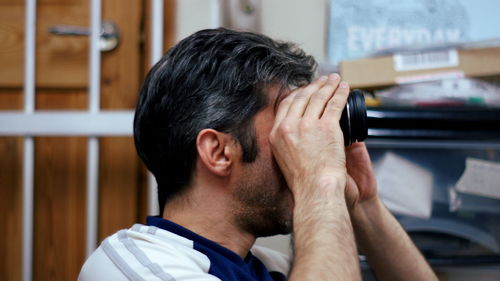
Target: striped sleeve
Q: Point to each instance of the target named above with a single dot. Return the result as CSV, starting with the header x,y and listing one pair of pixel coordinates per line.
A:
x,y
139,254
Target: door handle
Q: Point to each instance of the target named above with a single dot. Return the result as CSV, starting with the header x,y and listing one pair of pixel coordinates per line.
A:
x,y
109,36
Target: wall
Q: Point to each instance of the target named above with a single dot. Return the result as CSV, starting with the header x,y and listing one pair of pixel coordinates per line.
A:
x,y
299,21
303,22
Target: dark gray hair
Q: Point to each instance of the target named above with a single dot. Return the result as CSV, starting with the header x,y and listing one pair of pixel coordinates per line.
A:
x,y
215,79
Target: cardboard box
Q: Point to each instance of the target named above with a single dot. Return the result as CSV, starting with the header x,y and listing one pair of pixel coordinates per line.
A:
x,y
418,66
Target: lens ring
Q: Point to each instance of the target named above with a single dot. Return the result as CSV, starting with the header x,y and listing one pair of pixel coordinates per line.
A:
x,y
348,111
360,130
358,116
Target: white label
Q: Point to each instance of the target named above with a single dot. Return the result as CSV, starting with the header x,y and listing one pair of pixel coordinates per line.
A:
x,y
425,60
481,177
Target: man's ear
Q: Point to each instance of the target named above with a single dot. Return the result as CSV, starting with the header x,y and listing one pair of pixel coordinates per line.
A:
x,y
216,151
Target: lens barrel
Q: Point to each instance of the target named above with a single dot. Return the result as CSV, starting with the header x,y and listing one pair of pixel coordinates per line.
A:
x,y
354,121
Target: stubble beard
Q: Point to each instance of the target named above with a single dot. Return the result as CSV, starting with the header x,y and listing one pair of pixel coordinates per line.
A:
x,y
264,204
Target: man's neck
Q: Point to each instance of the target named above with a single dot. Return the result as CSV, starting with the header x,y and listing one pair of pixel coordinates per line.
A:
x,y
209,217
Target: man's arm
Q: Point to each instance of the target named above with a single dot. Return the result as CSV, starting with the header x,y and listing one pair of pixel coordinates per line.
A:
x,y
388,248
308,146
324,245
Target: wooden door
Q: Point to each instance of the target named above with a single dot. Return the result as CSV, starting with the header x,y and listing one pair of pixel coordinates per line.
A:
x,y
60,162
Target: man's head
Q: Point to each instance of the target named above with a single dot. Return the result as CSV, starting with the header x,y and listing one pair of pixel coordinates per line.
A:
x,y
217,79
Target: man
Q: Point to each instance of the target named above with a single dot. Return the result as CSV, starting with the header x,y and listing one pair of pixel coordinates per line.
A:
x,y
244,145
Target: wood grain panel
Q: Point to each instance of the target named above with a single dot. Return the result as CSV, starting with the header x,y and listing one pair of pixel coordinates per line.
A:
x,y
60,163
60,193
11,149
11,99
11,155
58,99
119,168
59,235
119,185
121,67
12,45
64,56
19,2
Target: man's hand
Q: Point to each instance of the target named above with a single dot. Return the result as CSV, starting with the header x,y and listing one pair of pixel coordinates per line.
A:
x,y
306,139
308,145
361,180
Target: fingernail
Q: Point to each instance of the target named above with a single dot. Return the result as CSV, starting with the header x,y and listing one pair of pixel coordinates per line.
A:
x,y
323,78
344,85
334,76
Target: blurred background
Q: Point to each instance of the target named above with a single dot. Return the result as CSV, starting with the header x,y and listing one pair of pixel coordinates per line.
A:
x,y
70,71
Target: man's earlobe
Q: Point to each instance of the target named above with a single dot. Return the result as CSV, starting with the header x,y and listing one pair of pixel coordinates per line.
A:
x,y
215,151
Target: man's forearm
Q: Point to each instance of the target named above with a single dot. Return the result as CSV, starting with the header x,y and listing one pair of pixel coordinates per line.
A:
x,y
324,244
388,248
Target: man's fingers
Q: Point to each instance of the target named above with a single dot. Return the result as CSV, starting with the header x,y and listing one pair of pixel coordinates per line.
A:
x,y
320,99
284,106
337,103
303,97
326,96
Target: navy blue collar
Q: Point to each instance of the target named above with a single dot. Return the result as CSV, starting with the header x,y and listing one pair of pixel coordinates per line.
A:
x,y
186,233
224,263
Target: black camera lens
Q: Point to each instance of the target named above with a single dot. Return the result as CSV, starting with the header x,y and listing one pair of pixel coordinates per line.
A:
x,y
353,121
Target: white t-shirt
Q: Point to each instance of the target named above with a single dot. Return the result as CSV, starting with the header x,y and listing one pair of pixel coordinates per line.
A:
x,y
163,250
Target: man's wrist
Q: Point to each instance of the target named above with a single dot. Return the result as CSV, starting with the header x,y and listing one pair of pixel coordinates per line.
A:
x,y
322,229
326,189
320,200
367,211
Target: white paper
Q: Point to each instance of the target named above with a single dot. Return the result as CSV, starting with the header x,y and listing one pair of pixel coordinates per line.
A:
x,y
481,177
405,187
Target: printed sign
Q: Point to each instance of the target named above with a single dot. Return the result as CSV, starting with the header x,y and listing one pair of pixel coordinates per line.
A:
x,y
362,28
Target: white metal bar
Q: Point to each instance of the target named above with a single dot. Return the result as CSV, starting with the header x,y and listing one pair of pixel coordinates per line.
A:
x,y
157,20
66,123
156,30
28,154
93,142
29,56
92,193
94,56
